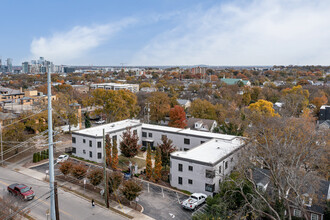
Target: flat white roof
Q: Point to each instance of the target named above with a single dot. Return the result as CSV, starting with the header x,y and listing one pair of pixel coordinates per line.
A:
x,y
161,128
325,106
111,127
113,84
210,151
189,132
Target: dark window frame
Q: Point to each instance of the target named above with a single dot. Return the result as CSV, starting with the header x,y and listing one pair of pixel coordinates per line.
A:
x,y
186,141
190,168
180,180
180,167
73,140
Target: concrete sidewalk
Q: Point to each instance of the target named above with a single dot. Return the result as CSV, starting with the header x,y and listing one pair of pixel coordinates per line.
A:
x,y
85,194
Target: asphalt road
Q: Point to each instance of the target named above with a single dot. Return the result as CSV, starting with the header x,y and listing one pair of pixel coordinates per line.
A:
x,y
71,206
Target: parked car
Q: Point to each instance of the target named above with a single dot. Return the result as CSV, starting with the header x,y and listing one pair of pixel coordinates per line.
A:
x,y
194,201
62,158
21,190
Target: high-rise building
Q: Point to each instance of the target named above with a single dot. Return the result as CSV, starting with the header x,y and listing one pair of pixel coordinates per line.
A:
x,y
10,65
25,67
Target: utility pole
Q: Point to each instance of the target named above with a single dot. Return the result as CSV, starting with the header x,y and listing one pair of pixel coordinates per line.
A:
x,y
56,202
50,149
105,173
148,110
1,144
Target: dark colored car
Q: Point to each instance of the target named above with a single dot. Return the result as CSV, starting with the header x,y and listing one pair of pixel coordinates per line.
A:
x,y
21,190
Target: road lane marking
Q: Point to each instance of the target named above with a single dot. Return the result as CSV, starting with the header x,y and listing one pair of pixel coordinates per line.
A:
x,y
4,183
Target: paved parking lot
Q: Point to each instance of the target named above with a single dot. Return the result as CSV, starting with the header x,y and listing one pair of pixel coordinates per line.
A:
x,y
161,203
158,202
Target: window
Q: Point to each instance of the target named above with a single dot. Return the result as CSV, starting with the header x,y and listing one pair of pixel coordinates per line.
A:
x,y
190,168
99,143
84,151
114,138
74,150
185,149
220,168
209,187
84,141
209,174
164,136
90,154
202,142
186,141
99,155
170,177
144,134
231,159
296,212
226,164
144,143
150,135
190,182
90,143
314,216
135,132
180,180
73,140
180,167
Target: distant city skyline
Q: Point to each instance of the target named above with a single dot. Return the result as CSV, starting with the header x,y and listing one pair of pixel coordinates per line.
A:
x,y
167,33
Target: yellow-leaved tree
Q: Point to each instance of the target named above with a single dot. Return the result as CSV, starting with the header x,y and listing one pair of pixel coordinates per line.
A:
x,y
263,108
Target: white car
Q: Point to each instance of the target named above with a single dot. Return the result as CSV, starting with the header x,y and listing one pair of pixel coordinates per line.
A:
x,y
193,201
62,158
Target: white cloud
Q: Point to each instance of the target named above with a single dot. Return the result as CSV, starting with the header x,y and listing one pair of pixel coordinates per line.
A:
x,y
70,46
258,32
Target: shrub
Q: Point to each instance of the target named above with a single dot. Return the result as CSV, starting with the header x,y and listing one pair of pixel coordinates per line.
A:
x,y
95,176
79,171
66,167
131,189
34,157
114,181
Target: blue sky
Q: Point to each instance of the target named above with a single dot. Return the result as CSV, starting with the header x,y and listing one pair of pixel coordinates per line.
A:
x,y
168,32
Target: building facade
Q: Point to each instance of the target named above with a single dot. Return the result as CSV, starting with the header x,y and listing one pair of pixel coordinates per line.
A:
x,y
202,160
116,86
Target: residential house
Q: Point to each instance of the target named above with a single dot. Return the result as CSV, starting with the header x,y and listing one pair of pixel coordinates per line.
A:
x,y
185,103
201,124
231,81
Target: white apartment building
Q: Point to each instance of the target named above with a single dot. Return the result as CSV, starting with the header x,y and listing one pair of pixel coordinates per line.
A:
x,y
202,159
116,86
202,168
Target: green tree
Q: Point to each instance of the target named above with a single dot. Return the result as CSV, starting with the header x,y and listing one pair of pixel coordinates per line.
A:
x,y
129,144
148,163
88,123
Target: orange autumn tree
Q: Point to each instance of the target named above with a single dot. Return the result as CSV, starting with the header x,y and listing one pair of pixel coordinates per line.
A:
x,y
108,150
158,165
114,162
177,117
318,102
148,163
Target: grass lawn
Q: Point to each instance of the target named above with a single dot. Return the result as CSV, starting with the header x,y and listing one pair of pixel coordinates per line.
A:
x,y
124,162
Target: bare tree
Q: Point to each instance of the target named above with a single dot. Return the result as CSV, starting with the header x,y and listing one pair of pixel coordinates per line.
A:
x,y
289,152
